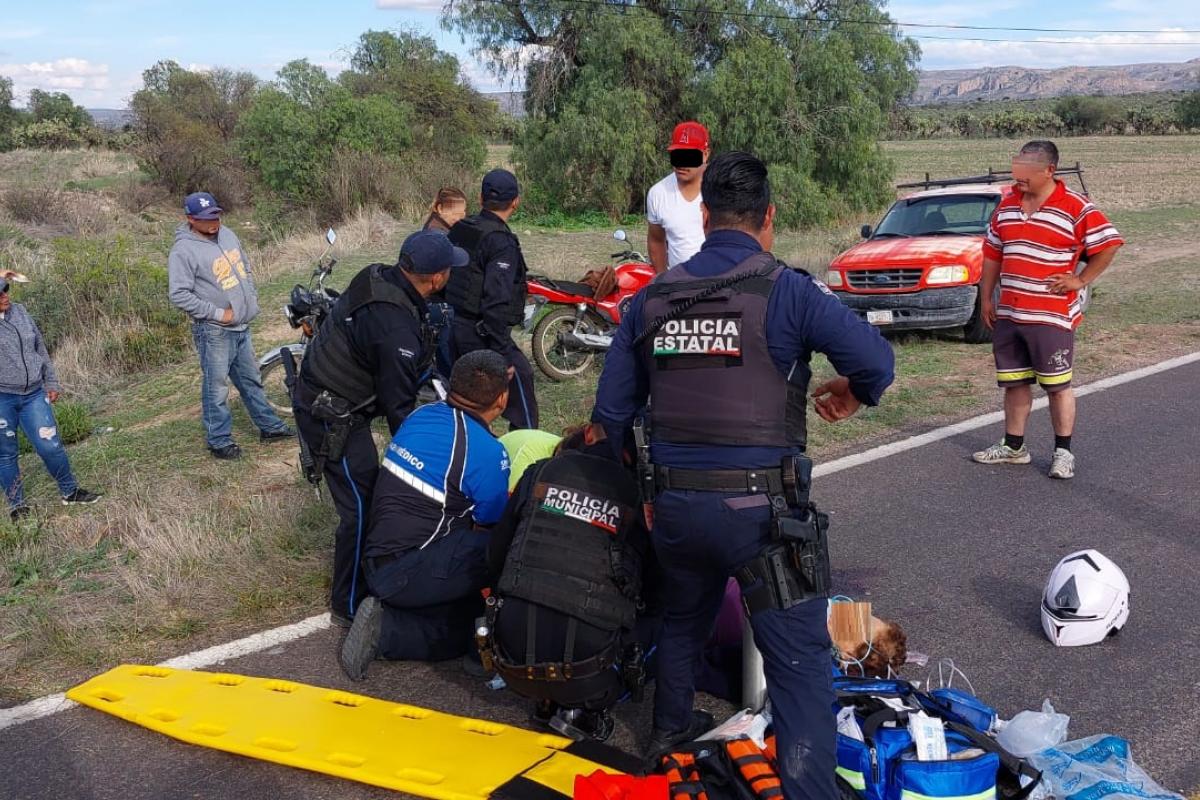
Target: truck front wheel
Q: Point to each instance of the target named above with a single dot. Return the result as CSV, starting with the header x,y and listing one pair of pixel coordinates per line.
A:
x,y
975,332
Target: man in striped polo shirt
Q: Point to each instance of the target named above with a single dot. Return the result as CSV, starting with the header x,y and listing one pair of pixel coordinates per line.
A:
x,y
1034,244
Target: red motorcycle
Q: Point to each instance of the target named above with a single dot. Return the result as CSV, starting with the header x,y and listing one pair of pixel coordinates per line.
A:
x,y
567,337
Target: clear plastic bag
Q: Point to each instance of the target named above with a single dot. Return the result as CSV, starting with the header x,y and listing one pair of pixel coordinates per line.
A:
x,y
1031,731
1097,767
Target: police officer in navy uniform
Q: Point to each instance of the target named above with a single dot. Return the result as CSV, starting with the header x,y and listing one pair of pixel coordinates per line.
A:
x,y
720,346
488,298
569,554
444,481
367,360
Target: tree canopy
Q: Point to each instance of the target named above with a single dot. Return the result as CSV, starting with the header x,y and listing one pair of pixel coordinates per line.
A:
x,y
805,86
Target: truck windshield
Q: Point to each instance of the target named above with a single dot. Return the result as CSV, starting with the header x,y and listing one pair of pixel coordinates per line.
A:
x,y
940,215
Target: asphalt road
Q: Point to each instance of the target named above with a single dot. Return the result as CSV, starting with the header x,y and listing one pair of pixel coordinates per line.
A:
x,y
956,552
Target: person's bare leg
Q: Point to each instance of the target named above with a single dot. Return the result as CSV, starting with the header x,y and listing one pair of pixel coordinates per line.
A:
x,y
1018,402
1062,411
1062,416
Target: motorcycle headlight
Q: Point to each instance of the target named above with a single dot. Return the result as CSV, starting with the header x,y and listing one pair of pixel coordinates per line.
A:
x,y
950,273
834,279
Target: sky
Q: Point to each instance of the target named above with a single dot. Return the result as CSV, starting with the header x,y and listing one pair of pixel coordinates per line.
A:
x,y
95,50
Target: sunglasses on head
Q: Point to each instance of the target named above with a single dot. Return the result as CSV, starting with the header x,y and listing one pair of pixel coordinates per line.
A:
x,y
687,158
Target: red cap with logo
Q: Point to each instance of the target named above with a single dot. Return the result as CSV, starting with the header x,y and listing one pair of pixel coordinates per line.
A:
x,y
689,136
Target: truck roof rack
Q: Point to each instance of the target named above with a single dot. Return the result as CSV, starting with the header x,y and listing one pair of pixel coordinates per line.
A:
x,y
992,176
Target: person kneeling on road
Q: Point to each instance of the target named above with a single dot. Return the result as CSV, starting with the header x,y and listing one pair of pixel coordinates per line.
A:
x,y
444,475
570,552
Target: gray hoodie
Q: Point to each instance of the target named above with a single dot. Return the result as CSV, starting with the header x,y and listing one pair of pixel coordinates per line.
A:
x,y
206,277
24,363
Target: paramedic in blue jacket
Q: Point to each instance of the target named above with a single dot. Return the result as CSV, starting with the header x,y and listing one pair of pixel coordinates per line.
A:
x,y
444,479
720,346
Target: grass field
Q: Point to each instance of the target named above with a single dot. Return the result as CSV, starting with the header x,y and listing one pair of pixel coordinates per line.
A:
x,y
185,551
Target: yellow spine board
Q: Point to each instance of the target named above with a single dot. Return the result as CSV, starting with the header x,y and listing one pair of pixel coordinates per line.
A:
x,y
396,746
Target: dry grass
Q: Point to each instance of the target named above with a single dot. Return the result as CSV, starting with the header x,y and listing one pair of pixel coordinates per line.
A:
x,y
366,229
60,167
1124,173
47,212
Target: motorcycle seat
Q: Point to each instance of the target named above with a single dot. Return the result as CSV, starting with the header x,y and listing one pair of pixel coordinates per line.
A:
x,y
573,287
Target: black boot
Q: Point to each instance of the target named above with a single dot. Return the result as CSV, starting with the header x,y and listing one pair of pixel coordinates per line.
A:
x,y
662,741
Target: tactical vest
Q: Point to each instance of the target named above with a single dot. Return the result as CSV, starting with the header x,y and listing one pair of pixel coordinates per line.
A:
x,y
465,289
572,552
712,380
333,362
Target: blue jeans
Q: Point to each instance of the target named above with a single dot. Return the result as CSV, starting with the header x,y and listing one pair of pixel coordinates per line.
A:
x,y
700,539
33,413
228,355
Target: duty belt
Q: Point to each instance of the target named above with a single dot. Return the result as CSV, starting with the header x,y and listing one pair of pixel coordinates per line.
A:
x,y
558,671
751,481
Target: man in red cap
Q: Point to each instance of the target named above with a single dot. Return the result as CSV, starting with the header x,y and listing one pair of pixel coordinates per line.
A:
x,y
676,229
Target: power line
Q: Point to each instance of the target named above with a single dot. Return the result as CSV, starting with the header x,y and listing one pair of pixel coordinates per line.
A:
x,y
619,6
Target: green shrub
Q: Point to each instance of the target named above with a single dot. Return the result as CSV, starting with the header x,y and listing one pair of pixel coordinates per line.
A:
x,y
1083,115
104,289
74,423
49,134
1187,111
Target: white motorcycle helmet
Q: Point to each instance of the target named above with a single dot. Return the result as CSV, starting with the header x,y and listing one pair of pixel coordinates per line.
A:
x,y
1086,600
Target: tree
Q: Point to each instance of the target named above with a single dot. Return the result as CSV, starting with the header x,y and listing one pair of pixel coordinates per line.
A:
x,y
1083,115
1187,111
185,123
292,130
9,116
805,90
410,69
57,107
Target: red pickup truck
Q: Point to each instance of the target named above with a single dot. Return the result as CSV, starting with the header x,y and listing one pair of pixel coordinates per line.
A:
x,y
920,267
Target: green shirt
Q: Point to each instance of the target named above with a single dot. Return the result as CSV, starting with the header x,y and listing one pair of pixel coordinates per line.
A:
x,y
525,448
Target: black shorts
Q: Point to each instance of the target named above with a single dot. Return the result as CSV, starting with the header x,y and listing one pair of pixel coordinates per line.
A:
x,y
1027,353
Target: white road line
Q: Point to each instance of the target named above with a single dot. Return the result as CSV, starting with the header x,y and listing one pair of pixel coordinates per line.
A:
x,y
52,704
255,643
983,420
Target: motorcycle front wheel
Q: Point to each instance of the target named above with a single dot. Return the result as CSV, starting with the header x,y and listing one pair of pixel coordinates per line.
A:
x,y
274,381
558,360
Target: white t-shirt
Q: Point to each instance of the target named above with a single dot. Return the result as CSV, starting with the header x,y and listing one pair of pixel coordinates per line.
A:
x,y
665,206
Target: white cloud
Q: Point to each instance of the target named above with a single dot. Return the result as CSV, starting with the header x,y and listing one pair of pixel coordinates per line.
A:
x,y
410,5
1062,50
78,77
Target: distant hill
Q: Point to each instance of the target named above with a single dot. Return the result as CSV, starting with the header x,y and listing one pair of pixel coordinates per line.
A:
x,y
112,118
1020,83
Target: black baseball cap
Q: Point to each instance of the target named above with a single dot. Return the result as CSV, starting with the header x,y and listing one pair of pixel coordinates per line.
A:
x,y
500,185
430,252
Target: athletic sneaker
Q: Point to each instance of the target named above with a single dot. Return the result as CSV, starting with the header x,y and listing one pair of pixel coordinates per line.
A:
x,y
81,497
1003,454
1063,465
361,645
19,513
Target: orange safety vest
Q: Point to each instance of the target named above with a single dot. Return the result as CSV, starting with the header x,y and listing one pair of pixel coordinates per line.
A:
x,y
684,777
769,751
757,771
